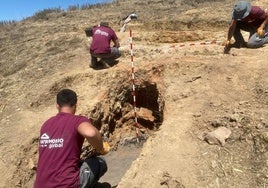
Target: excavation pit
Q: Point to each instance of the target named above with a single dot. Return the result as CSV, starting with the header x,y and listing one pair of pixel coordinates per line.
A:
x,y
115,118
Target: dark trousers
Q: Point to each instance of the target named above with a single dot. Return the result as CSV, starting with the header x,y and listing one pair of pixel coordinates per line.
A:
x,y
245,27
91,170
254,41
115,53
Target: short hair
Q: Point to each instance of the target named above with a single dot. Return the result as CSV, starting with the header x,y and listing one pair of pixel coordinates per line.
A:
x,y
66,97
104,24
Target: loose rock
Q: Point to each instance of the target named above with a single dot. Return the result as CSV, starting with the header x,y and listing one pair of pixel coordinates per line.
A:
x,y
218,136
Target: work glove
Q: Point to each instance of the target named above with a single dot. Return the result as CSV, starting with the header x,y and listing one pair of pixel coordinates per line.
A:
x,y
260,32
106,148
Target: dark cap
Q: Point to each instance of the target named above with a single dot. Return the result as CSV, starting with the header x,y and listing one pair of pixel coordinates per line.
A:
x,y
241,10
104,24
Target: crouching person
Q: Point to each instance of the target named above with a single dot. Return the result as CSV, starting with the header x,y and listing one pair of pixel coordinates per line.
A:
x,y
251,19
60,145
100,47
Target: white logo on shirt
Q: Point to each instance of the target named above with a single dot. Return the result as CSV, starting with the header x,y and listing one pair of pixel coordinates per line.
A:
x,y
46,141
99,32
44,136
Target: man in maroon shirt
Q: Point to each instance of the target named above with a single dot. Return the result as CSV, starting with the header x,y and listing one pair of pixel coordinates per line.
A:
x,y
251,19
60,144
102,36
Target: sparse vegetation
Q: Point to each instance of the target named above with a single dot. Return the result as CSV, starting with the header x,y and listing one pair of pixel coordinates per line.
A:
x,y
192,89
44,14
9,22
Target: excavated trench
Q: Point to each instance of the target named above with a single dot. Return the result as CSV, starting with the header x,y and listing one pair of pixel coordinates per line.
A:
x,y
115,118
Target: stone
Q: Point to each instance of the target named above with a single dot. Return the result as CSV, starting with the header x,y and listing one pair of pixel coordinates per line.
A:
x,y
146,114
265,136
218,136
31,164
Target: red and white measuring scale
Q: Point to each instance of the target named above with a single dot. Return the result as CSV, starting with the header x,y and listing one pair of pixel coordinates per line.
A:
x,y
133,86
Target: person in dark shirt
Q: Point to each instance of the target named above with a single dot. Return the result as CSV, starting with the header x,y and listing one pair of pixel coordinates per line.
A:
x,y
60,145
102,36
251,19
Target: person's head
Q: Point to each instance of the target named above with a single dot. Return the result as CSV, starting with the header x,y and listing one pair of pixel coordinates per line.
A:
x,y
66,98
106,24
241,10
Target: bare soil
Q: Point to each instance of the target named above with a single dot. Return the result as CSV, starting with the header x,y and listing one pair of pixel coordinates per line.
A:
x,y
186,91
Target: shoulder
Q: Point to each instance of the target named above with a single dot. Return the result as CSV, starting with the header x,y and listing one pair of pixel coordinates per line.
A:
x,y
48,121
112,32
108,28
86,129
256,10
82,118
78,120
257,13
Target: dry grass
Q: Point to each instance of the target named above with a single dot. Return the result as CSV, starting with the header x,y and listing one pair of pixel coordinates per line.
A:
x,y
39,54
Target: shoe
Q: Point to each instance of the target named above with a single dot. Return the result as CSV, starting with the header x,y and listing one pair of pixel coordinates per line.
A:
x,y
228,47
92,66
104,63
94,62
239,45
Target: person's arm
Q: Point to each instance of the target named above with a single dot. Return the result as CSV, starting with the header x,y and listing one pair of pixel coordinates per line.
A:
x,y
116,43
260,30
230,34
92,135
115,39
231,30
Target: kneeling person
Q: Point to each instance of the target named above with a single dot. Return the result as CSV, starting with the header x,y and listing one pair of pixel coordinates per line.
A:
x,y
60,145
100,47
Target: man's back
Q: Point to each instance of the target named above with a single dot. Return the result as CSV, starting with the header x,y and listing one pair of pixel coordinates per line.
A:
x,y
59,151
256,16
102,37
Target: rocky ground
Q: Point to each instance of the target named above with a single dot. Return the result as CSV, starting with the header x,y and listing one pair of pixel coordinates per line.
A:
x,y
183,94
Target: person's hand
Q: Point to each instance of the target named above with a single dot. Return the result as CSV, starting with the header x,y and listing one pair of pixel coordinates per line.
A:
x,y
260,32
226,43
227,47
106,148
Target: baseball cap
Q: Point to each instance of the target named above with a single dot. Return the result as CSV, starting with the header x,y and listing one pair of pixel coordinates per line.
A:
x,y
241,10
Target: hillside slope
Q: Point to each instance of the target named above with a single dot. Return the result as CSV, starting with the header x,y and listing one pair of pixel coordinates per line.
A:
x,y
192,89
